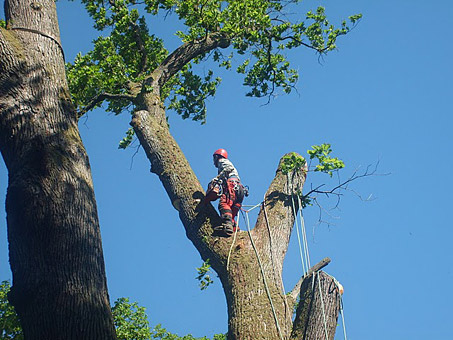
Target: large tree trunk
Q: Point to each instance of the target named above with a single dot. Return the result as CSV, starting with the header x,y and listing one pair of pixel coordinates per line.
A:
x,y
59,286
249,265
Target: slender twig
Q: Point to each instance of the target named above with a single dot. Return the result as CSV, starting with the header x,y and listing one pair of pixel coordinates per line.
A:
x,y
133,156
338,191
97,100
317,267
343,185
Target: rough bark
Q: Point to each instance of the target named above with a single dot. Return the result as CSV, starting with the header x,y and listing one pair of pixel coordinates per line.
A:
x,y
318,309
59,285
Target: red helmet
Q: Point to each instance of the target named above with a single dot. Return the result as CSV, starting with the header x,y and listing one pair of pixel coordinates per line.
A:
x,y
221,152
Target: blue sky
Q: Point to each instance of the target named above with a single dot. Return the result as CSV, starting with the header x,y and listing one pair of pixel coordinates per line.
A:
x,y
383,95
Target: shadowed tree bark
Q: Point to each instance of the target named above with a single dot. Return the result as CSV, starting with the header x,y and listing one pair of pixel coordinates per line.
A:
x,y
59,287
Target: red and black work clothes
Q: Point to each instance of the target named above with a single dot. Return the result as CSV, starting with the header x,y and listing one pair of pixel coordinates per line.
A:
x,y
233,191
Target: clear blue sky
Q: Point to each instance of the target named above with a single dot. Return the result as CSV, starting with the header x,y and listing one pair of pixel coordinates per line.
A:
x,y
384,95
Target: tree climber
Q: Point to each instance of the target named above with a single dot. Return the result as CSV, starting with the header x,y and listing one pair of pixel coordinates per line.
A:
x,y
231,194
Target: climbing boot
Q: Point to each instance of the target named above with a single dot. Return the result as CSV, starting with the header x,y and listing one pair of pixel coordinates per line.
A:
x,y
225,229
228,228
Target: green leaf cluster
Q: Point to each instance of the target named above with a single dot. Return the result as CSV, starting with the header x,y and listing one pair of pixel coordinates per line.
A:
x,y
203,275
10,328
162,334
257,34
126,141
131,321
292,162
189,93
2,23
326,164
124,57
322,34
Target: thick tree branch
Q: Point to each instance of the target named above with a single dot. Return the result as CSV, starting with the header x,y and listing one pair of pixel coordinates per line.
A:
x,y
182,186
185,53
277,215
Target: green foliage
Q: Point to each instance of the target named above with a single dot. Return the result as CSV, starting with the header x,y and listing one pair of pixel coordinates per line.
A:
x,y
126,56
257,34
130,320
2,23
162,334
323,35
10,328
126,141
292,162
326,164
190,93
203,275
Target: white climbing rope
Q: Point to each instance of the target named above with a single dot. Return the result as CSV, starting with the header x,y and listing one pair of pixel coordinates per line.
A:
x,y
304,269
304,233
304,253
342,318
322,306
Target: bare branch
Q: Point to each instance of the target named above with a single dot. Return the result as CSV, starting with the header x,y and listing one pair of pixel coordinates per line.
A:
x,y
100,98
317,267
137,149
343,185
338,191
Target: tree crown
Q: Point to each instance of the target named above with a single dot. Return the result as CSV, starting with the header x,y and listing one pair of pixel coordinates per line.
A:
x,y
249,36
